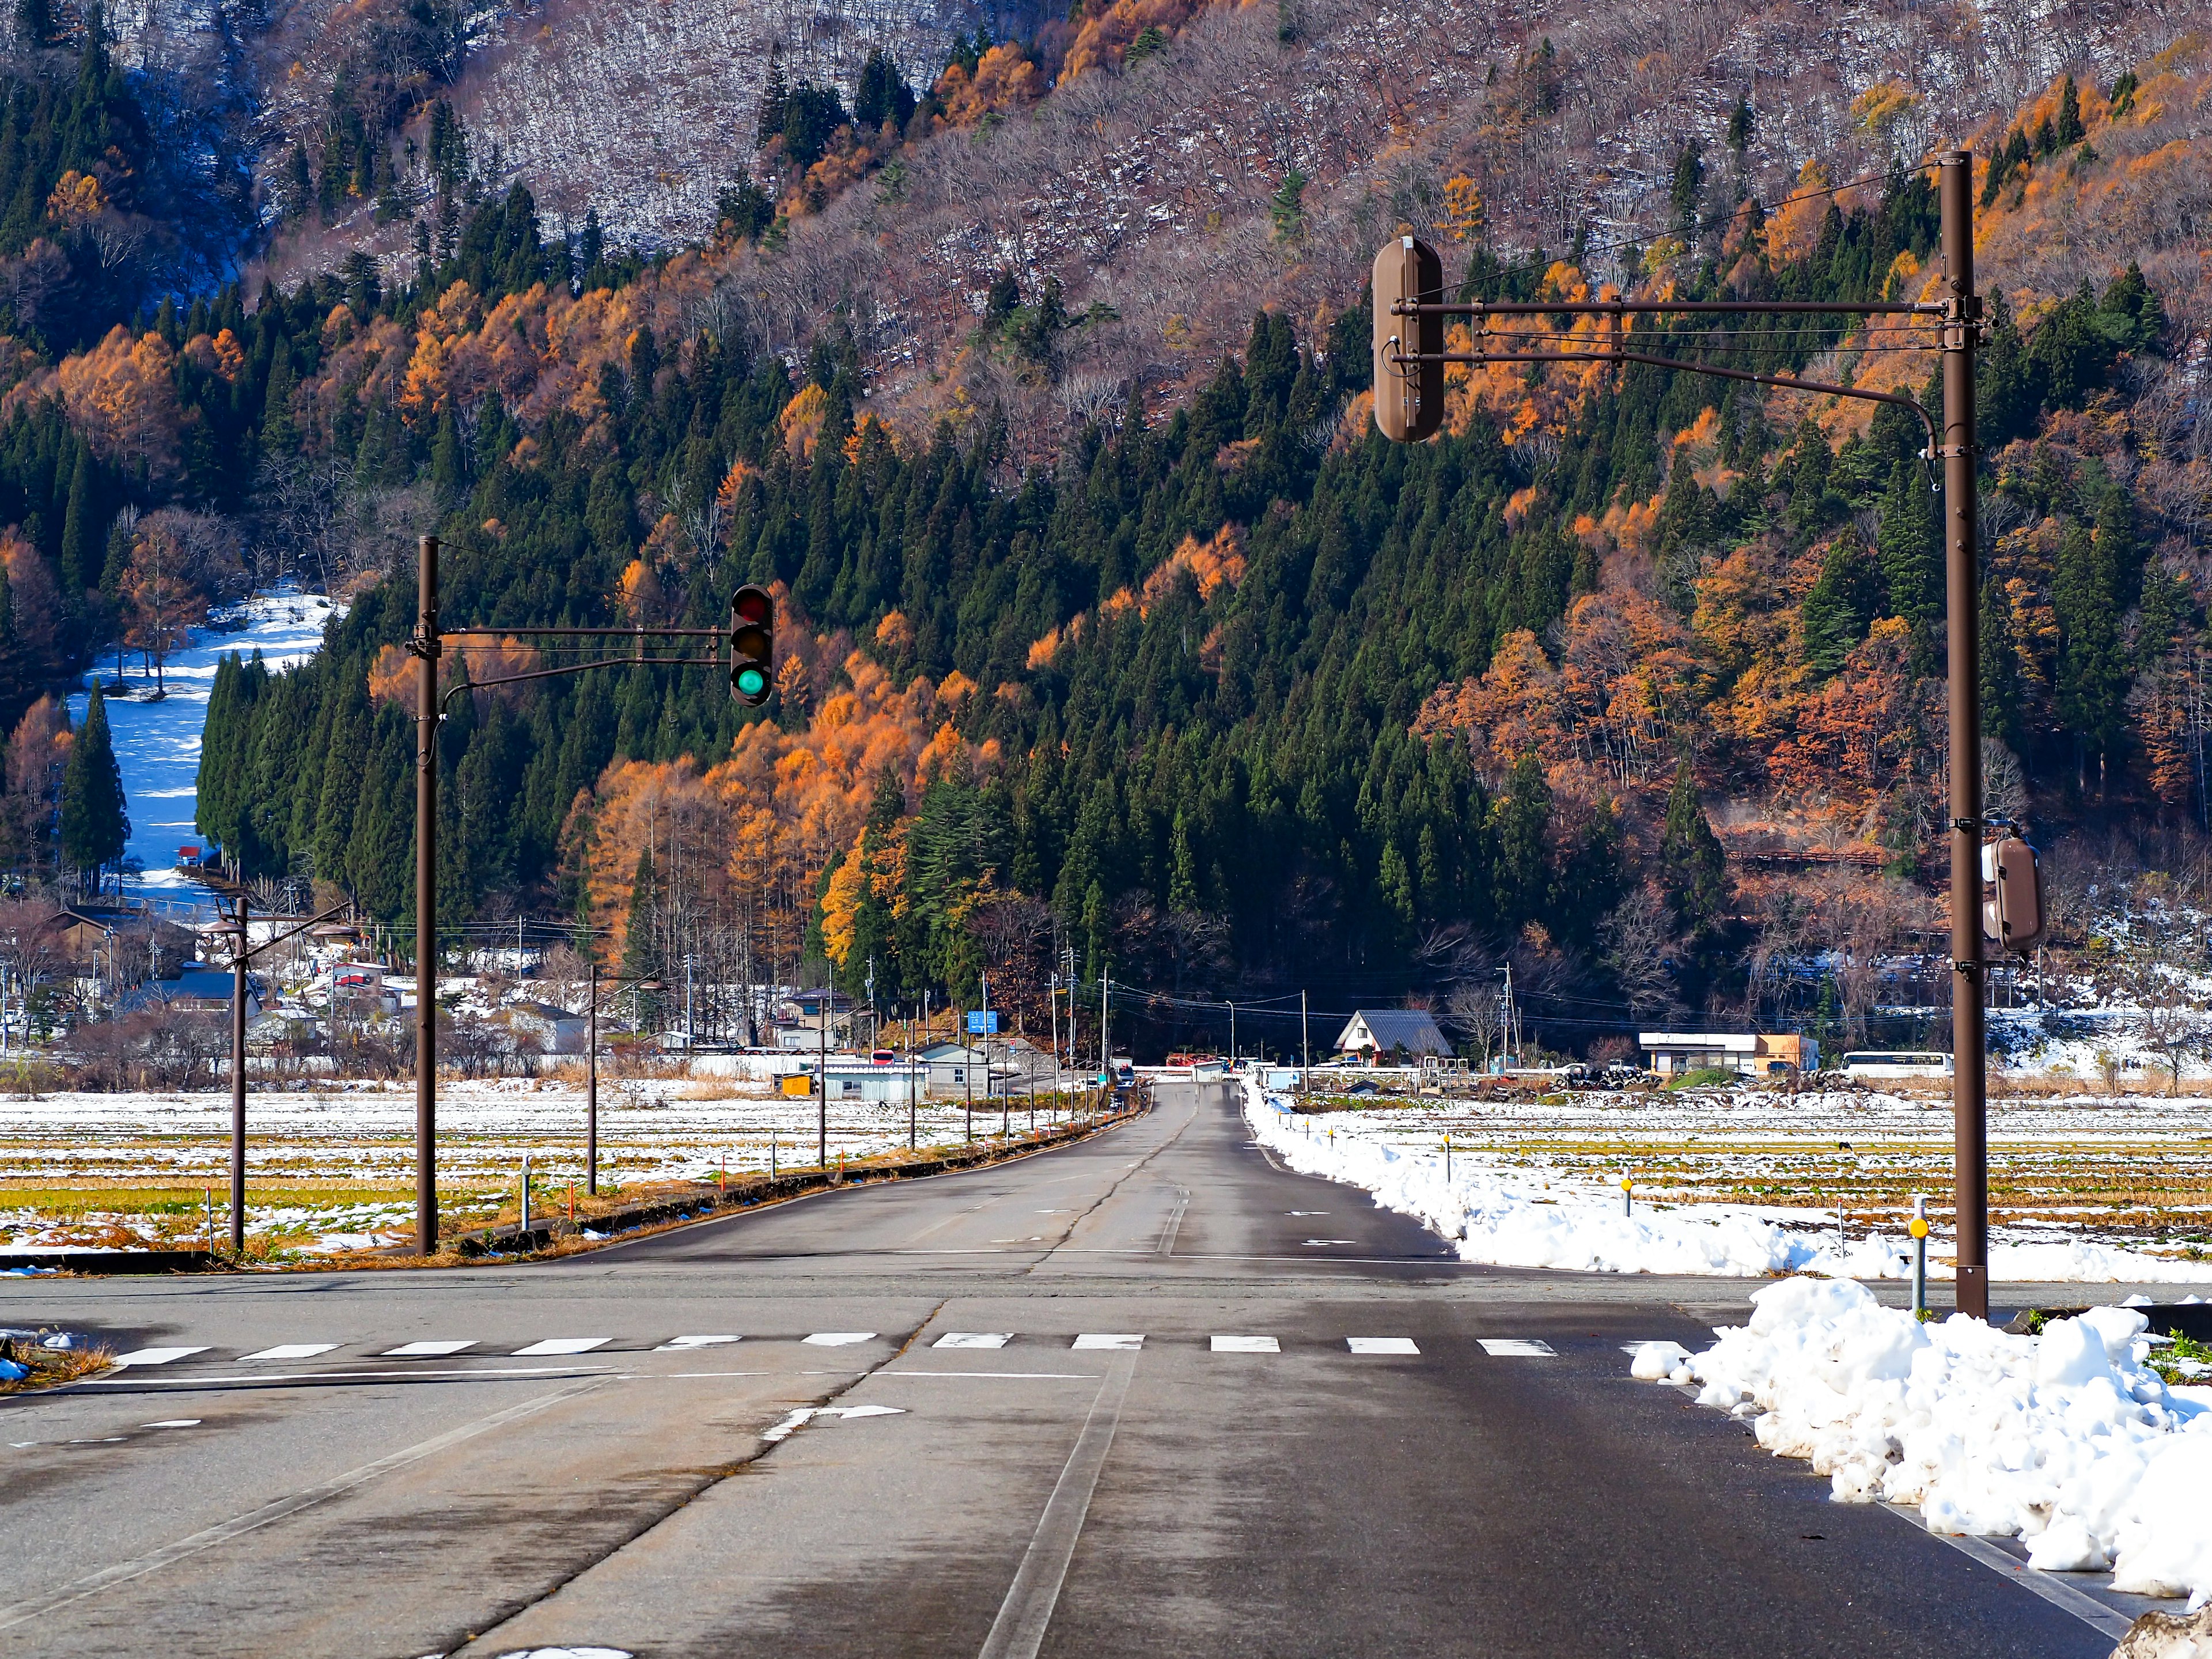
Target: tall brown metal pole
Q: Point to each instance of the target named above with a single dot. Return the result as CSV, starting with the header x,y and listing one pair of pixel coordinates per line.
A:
x,y
591,1092
1969,1087
238,1087
426,907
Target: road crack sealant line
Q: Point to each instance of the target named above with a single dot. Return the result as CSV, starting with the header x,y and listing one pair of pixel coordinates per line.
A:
x,y
1095,1204
254,1520
1026,1614
790,1424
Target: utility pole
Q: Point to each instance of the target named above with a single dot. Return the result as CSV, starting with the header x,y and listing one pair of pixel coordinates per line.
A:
x,y
238,1082
822,1100
1232,1036
1962,317
426,648
591,1091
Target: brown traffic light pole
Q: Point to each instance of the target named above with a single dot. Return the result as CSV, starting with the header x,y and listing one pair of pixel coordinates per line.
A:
x,y
428,645
1409,398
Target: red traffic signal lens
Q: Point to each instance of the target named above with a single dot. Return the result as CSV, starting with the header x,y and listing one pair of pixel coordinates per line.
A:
x,y
751,605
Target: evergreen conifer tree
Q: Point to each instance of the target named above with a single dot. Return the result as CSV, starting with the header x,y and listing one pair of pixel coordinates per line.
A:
x,y
641,954
1693,868
93,823
1841,603
81,562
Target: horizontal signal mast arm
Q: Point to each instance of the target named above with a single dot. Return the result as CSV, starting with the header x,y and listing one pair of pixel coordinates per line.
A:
x,y
592,633
1649,308
579,667
1780,381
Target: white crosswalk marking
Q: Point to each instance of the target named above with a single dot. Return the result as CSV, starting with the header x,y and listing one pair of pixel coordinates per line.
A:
x,y
291,1350
973,1340
425,1350
679,1344
563,1345
1515,1348
1381,1345
1246,1344
157,1356
1111,1344
839,1339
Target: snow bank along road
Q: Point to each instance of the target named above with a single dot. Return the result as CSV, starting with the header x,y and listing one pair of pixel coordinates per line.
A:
x,y
1152,1393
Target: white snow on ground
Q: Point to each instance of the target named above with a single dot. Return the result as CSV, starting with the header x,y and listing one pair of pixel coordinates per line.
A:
x,y
2065,1441
157,745
650,1130
1511,1218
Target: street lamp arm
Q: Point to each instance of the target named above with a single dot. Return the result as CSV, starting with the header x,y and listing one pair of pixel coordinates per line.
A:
x,y
243,955
575,668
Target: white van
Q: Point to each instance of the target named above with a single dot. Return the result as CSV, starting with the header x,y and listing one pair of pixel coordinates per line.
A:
x,y
1868,1064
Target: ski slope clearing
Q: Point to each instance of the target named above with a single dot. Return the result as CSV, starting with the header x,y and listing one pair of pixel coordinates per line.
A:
x,y
2067,1441
1500,1204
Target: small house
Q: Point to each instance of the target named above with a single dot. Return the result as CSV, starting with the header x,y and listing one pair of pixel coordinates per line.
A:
x,y
1747,1053
1380,1037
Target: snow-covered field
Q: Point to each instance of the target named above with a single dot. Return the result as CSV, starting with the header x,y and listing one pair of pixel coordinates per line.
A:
x,y
157,745
2067,1440
333,1167
1817,1183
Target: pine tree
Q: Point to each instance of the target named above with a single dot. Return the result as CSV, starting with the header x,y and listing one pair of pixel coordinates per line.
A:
x,y
93,823
1912,559
1740,127
775,95
347,759
2000,677
642,953
279,435
1840,605
81,564
1519,822
14,679
1693,868
2091,679
2070,131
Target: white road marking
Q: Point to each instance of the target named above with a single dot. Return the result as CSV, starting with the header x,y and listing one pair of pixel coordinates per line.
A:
x,y
563,1345
291,1350
1305,1212
1033,1376
678,1344
851,1412
973,1340
1246,1344
1331,1240
838,1338
157,1356
425,1350
1117,1344
557,1653
176,1422
1515,1348
1381,1345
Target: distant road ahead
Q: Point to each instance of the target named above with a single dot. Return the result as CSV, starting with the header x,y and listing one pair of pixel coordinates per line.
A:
x,y
1147,1396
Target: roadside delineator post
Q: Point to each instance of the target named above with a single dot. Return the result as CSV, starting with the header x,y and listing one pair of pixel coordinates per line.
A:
x,y
1918,1228
1627,1195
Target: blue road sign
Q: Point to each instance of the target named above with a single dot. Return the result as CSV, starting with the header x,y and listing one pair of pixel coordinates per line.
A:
x,y
984,1023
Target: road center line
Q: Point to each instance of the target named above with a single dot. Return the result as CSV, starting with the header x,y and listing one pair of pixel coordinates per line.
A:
x,y
1024,1616
252,1520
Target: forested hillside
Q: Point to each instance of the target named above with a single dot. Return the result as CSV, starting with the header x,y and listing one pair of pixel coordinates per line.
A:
x,y
1630,679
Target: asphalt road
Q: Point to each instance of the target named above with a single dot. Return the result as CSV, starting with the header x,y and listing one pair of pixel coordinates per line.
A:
x,y
1148,1394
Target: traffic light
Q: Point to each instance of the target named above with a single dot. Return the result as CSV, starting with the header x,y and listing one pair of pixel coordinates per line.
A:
x,y
2011,895
1409,397
752,645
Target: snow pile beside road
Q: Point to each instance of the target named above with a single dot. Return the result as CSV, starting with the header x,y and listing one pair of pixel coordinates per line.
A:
x,y
1509,1220
2065,1441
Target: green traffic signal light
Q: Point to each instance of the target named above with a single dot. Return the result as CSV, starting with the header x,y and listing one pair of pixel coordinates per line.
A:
x,y
752,644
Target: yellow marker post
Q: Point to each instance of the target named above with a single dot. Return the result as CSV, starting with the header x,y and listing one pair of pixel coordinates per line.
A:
x,y
1627,1195
1918,1228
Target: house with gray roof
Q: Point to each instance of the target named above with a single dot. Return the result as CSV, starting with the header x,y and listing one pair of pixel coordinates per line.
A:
x,y
1378,1036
